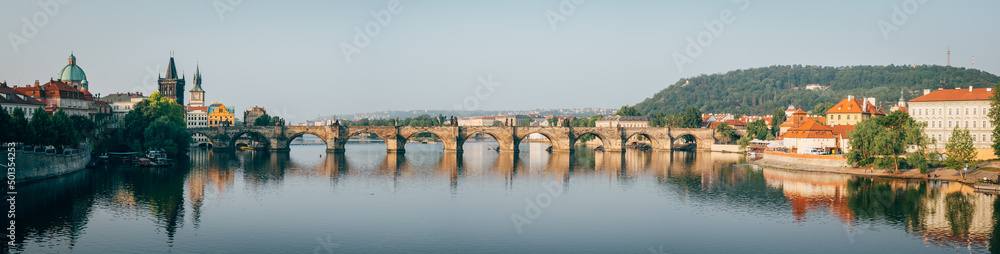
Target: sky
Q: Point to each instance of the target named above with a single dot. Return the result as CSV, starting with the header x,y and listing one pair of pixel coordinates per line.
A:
x,y
303,59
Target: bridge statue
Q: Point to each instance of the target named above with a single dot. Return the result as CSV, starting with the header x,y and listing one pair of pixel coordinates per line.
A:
x,y
562,138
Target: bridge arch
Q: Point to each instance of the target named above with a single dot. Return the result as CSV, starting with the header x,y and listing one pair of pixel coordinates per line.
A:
x,y
503,135
703,138
655,142
605,142
252,134
299,134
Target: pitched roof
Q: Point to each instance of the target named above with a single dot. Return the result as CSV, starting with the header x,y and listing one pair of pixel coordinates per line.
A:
x,y
171,69
11,96
52,90
810,129
852,105
977,94
843,130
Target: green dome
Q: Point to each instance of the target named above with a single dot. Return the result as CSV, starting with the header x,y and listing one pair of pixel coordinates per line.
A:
x,y
72,73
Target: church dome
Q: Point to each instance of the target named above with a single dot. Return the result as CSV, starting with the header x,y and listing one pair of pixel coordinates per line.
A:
x,y
72,72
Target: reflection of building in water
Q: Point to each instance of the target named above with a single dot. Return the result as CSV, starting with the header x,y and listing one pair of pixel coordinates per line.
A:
x,y
812,191
957,216
944,214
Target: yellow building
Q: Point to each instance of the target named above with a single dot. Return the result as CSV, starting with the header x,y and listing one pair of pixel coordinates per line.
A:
x,y
850,111
220,116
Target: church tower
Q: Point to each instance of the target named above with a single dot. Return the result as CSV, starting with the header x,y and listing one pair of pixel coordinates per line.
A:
x,y
172,86
197,95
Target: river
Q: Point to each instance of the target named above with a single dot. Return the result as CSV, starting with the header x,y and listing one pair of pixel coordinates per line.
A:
x,y
481,201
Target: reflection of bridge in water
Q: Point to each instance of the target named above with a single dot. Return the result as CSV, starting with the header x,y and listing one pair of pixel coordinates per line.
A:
x,y
562,139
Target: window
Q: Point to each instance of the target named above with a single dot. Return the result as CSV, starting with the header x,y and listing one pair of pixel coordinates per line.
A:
x,y
966,111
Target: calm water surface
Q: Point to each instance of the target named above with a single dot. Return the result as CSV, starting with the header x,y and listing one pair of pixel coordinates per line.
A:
x,y
481,201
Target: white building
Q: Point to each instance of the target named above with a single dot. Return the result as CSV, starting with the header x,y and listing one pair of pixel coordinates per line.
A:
x,y
945,109
121,104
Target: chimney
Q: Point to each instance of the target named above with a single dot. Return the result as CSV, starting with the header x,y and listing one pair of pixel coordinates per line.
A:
x,y
927,91
850,97
970,89
864,105
36,83
989,89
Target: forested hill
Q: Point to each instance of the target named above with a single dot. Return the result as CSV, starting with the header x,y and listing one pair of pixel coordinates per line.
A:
x,y
758,91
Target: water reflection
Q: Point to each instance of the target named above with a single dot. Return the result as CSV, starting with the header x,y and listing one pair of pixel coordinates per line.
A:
x,y
120,203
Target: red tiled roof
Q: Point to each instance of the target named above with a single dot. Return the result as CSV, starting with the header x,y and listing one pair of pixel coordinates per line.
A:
x,y
843,130
202,108
810,129
16,97
850,105
52,90
977,94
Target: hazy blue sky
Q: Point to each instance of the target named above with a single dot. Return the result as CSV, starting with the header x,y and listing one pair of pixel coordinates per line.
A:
x,y
286,55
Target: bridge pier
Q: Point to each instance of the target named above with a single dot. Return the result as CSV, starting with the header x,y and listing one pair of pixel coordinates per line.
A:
x,y
395,144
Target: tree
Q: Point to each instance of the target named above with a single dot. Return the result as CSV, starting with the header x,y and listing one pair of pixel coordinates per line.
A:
x,y
757,129
777,118
66,133
264,120
757,91
168,135
743,142
915,136
40,128
691,118
995,118
19,126
7,125
960,149
726,132
627,111
136,123
820,109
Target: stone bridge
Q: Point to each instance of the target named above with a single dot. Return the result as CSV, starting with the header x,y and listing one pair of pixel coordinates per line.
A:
x,y
562,139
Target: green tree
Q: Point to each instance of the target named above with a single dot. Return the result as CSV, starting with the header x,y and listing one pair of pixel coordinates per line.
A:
x,y
264,120
726,132
757,129
19,126
744,141
691,118
41,129
820,109
7,125
66,133
136,123
995,118
960,149
915,136
166,134
627,111
777,118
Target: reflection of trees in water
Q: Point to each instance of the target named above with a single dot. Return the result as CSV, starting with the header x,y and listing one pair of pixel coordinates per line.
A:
x,y
944,215
878,199
62,206
738,186
959,213
994,241
56,207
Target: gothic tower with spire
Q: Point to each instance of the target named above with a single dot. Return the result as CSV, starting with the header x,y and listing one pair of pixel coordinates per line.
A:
x,y
172,86
197,95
